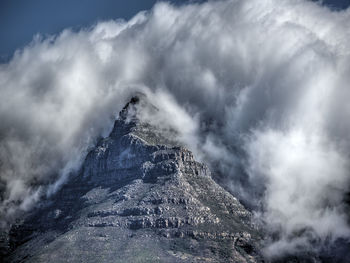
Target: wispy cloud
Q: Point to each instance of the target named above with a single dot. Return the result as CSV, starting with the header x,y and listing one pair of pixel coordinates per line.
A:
x,y
257,88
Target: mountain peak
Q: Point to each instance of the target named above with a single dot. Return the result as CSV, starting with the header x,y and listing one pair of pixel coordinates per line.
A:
x,y
139,196
130,106
136,103
131,122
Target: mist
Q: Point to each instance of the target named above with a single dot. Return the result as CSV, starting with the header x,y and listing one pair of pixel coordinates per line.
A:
x,y
257,89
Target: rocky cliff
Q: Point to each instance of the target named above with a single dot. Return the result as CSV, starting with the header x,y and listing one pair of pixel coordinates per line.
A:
x,y
140,197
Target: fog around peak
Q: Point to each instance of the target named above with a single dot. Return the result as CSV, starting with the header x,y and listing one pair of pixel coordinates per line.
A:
x,y
259,89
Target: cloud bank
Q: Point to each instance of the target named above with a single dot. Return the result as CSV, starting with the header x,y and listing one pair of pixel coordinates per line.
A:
x,y
259,89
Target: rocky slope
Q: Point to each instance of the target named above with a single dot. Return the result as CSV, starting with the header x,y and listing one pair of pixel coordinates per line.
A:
x,y
139,197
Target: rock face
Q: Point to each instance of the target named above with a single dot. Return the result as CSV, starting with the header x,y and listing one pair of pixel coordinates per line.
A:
x,y
139,197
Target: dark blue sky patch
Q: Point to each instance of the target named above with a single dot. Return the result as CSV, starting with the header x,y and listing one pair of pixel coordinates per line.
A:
x,y
20,20
337,4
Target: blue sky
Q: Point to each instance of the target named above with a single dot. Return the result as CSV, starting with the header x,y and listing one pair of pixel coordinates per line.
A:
x,y
225,79
21,19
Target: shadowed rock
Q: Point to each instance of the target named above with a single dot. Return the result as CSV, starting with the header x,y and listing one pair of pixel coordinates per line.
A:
x,y
140,197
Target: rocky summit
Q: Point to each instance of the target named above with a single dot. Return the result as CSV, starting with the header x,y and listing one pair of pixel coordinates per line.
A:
x,y
140,196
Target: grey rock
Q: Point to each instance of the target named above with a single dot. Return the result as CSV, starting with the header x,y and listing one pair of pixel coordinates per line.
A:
x,y
140,197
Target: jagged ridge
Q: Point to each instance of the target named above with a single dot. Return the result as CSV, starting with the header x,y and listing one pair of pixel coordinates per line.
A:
x,y
140,197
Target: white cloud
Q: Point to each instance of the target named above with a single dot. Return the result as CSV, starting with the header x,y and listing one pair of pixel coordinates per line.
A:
x,y
258,88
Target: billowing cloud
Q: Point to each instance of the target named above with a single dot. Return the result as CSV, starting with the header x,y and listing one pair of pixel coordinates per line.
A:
x,y
259,89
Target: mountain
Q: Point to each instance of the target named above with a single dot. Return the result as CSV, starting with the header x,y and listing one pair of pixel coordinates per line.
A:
x,y
140,196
